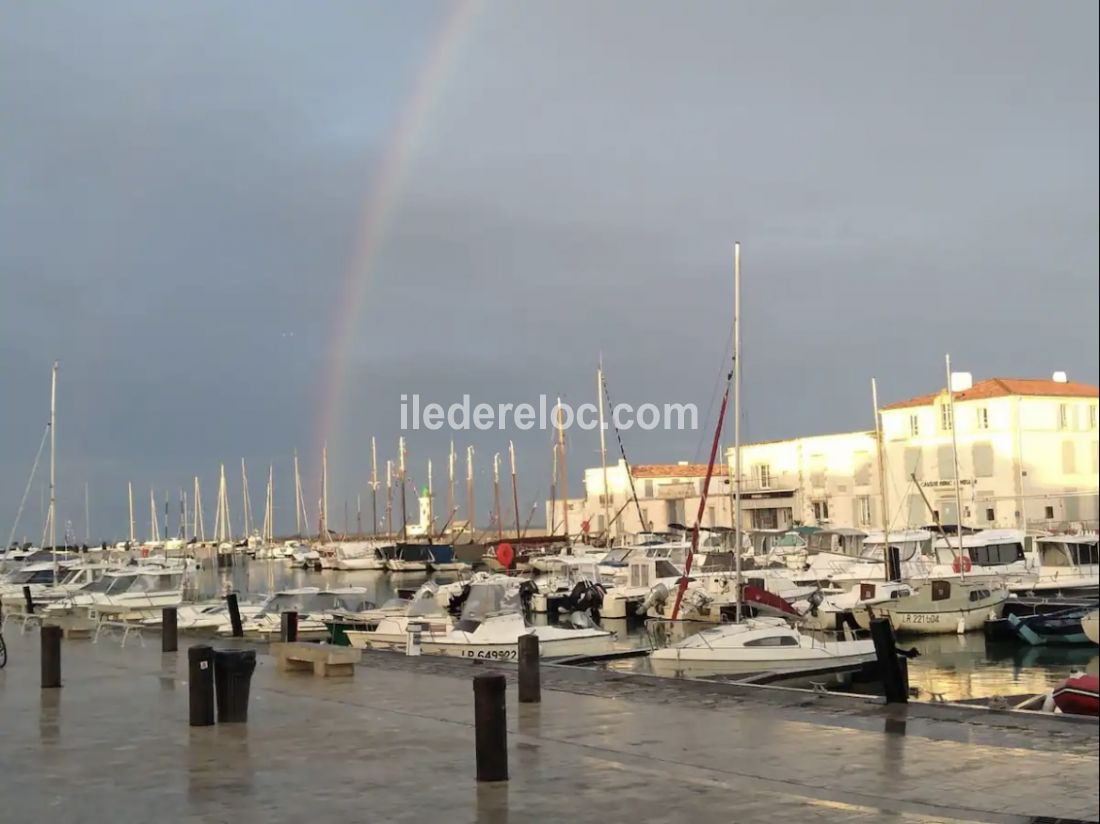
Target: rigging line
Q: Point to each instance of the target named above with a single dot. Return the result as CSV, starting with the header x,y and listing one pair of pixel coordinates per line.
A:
x,y
643,526
727,355
30,482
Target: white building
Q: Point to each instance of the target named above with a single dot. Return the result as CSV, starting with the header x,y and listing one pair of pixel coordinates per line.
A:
x,y
1027,452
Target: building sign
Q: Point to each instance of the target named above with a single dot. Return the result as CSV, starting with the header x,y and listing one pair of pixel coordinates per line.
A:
x,y
945,484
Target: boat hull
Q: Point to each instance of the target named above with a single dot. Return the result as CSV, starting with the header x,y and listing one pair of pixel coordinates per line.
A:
x,y
920,622
1090,625
695,663
1079,695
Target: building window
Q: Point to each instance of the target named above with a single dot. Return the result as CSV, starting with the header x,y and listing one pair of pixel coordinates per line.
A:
x,y
945,417
1092,417
821,511
914,425
1063,416
983,417
647,489
990,515
864,510
1048,513
763,473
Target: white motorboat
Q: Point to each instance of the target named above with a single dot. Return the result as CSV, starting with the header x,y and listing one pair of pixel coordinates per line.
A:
x,y
936,608
757,645
410,558
831,610
313,605
490,627
132,591
363,555
1067,564
71,576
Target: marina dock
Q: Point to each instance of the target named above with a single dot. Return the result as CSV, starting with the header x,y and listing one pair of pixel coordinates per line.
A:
x,y
396,743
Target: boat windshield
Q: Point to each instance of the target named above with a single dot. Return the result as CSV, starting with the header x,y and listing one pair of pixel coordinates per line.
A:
x,y
154,583
907,550
486,599
33,576
616,556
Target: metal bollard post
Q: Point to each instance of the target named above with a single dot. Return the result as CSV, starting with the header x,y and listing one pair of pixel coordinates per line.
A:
x,y
51,657
530,680
288,626
234,615
893,684
28,602
200,685
490,727
169,630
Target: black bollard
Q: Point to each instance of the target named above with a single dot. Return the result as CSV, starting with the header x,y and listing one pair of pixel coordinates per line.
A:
x,y
51,657
169,630
235,615
28,602
893,684
530,683
288,630
200,685
490,727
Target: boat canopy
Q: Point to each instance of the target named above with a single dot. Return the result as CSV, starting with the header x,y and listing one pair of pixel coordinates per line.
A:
x,y
1068,550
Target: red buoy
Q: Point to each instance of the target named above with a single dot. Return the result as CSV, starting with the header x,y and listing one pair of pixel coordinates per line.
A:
x,y
505,555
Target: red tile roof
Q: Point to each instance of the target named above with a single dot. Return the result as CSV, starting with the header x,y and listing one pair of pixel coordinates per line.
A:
x,y
676,470
1002,387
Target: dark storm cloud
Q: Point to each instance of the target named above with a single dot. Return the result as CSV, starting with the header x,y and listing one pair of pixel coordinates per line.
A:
x,y
182,185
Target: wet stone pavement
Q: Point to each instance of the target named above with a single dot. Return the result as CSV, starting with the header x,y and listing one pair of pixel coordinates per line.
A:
x,y
395,743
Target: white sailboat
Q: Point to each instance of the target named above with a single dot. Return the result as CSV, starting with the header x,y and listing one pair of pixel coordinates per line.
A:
x,y
747,644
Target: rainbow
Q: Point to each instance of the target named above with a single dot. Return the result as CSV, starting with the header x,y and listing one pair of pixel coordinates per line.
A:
x,y
379,207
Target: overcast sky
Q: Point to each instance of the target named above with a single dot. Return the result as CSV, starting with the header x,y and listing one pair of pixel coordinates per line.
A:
x,y
182,186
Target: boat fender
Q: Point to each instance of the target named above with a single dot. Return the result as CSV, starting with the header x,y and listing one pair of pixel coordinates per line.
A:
x,y
962,564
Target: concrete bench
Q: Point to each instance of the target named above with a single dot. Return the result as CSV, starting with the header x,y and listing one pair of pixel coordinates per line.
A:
x,y
322,659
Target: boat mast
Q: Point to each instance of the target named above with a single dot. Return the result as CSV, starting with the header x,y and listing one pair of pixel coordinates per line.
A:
x,y
451,482
603,454
515,485
130,495
87,522
246,503
880,448
564,471
324,494
198,528
737,423
431,511
154,527
359,514
553,488
51,517
470,512
373,486
955,459
496,495
401,468
389,498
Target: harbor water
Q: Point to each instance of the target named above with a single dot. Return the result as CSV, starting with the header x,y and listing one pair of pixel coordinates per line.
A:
x,y
948,667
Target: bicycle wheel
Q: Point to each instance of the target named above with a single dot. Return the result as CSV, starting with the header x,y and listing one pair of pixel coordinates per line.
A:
x,y
3,652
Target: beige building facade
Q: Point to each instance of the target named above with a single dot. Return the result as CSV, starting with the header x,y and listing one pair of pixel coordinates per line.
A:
x,y
1027,453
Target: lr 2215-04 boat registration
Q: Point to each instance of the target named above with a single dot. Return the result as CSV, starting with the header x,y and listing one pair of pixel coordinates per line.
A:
x,y
499,654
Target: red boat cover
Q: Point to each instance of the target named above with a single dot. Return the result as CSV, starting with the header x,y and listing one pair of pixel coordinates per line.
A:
x,y
762,596
1079,695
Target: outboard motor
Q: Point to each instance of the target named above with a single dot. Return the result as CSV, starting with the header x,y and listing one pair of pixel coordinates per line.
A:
x,y
454,606
656,598
586,597
527,590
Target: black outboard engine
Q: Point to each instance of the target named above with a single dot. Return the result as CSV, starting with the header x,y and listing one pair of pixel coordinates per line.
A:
x,y
527,590
454,606
586,597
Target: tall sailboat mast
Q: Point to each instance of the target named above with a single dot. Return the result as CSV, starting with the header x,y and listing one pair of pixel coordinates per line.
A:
x,y
564,471
389,498
471,512
87,519
130,496
198,528
431,502
154,526
451,482
880,448
553,525
401,470
496,495
51,516
603,455
515,486
324,493
373,486
246,503
737,423
955,460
